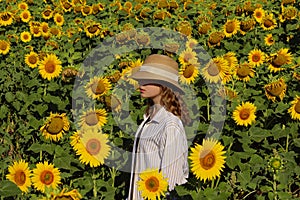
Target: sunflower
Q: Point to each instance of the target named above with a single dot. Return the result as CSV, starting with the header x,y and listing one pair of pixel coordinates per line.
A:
x,y
93,148
47,13
215,70
259,14
97,87
247,26
58,19
269,40
244,114
92,28
4,47
32,59
204,27
66,5
231,59
55,126
244,72
45,175
44,29
294,110
113,103
227,93
25,36
55,31
152,184
188,73
256,57
231,27
19,173
72,195
75,140
6,18
23,6
97,8
191,43
207,159
86,10
268,22
35,29
276,163
275,89
215,38
188,56
288,13
279,59
93,119
185,28
50,67
25,16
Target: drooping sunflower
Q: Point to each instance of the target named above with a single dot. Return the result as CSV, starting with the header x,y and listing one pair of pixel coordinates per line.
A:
x,y
279,59
244,114
185,28
215,70
247,25
207,159
294,110
231,59
45,175
269,40
23,6
259,14
256,57
244,72
19,173
97,8
93,147
25,36
58,19
55,31
6,18
32,59
215,38
268,22
93,119
188,73
152,184
35,28
231,27
55,126
227,93
50,67
64,195
97,87
288,13
4,47
188,56
25,16
276,89
204,27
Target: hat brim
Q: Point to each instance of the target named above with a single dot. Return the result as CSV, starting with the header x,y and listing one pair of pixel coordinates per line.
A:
x,y
156,79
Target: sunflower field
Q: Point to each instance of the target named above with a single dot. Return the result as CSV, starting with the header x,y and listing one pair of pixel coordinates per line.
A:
x,y
69,109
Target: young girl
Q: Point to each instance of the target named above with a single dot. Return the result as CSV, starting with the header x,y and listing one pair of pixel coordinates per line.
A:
x,y
160,141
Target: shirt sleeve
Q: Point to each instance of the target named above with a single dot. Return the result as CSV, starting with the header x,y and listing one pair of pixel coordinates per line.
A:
x,y
174,163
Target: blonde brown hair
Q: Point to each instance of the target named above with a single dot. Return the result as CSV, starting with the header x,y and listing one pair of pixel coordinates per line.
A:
x,y
173,103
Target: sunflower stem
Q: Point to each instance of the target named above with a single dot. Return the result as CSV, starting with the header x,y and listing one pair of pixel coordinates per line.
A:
x,y
287,143
212,183
217,183
274,186
94,183
208,109
41,155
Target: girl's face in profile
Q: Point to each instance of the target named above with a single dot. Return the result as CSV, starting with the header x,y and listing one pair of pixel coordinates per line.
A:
x,y
149,90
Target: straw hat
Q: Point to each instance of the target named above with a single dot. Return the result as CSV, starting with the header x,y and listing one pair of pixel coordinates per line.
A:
x,y
159,69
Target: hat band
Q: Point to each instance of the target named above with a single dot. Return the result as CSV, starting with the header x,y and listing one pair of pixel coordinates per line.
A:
x,y
160,72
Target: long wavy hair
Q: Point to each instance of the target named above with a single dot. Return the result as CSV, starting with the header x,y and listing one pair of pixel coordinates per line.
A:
x,y
173,103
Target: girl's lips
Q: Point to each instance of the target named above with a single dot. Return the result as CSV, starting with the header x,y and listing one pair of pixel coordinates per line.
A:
x,y
142,91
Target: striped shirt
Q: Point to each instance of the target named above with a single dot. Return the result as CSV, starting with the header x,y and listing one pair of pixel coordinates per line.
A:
x,y
160,143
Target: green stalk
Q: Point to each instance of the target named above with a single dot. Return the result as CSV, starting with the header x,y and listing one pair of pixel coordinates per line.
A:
x,y
287,143
94,176
208,109
274,186
212,184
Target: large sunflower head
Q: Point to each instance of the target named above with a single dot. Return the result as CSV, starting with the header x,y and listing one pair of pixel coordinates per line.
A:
x,y
185,28
188,73
25,16
276,89
188,56
97,87
259,14
244,114
93,119
269,40
256,57
215,70
268,22
19,173
55,126
93,147
4,47
294,110
231,27
152,184
25,36
50,67
207,159
45,175
281,58
32,59
244,72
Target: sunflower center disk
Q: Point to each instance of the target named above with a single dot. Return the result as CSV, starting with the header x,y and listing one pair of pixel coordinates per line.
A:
x,y
207,161
230,27
20,177
297,107
268,23
276,91
243,71
3,46
91,119
188,72
32,59
279,60
213,69
56,125
47,177
93,146
256,57
244,114
93,29
98,88
152,184
50,67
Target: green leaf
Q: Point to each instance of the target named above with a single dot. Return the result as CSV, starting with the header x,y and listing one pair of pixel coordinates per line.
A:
x,y
9,96
3,111
35,147
8,189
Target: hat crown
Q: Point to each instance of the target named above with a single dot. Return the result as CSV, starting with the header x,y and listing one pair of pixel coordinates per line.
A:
x,y
158,59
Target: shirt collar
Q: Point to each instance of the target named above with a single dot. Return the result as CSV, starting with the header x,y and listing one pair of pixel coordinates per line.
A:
x,y
159,116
